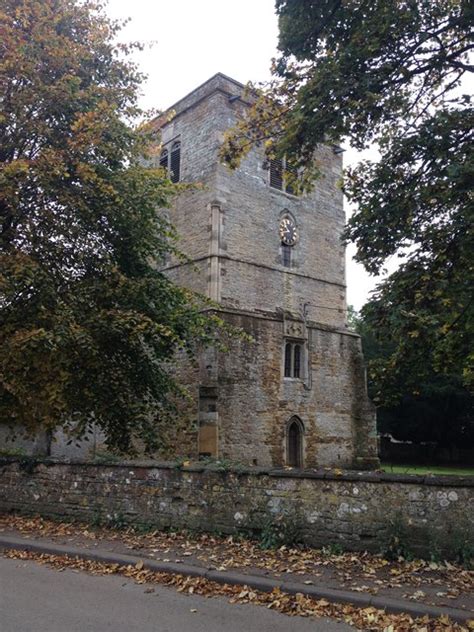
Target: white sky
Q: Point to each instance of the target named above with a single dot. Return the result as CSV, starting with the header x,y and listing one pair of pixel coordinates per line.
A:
x,y
191,40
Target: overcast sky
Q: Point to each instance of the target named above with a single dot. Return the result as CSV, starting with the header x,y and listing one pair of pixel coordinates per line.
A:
x,y
192,40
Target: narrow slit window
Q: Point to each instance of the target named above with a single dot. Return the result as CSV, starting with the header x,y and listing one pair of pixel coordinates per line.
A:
x,y
286,255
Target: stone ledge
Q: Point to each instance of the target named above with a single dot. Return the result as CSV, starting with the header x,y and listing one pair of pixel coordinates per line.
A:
x,y
361,476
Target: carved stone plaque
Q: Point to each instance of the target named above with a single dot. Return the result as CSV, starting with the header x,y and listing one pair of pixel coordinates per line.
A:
x,y
295,329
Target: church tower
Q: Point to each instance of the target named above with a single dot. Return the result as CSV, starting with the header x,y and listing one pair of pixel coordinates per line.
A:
x,y
296,393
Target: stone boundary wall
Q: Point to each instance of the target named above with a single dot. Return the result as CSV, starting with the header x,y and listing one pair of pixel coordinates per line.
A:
x,y
358,510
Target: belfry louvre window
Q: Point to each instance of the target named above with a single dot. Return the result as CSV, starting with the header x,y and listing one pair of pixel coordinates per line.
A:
x,y
175,158
164,159
171,161
276,173
279,172
293,354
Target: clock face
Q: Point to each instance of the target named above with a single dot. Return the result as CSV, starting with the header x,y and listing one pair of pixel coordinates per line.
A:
x,y
288,231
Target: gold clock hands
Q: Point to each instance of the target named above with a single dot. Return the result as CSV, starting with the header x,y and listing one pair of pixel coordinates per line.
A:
x,y
288,231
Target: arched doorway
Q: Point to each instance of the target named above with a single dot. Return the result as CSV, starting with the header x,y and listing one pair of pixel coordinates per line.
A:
x,y
294,442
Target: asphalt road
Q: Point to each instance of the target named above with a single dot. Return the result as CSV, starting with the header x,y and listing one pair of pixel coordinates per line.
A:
x,y
35,598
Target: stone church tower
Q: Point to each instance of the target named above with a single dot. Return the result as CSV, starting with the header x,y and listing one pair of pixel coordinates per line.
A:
x,y
296,395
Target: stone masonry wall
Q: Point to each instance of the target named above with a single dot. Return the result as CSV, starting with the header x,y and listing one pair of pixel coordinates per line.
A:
x,y
254,277
358,510
330,401
240,403
244,238
228,227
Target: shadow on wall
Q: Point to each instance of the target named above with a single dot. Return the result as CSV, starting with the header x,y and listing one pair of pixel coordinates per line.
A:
x,y
14,442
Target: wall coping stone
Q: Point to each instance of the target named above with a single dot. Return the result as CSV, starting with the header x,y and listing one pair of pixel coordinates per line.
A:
x,y
363,476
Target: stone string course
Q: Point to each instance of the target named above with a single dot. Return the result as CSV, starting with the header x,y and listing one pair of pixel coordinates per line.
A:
x,y
357,510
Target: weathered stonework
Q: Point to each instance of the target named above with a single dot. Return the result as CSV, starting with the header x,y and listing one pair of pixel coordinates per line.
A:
x,y
241,405
229,230
358,510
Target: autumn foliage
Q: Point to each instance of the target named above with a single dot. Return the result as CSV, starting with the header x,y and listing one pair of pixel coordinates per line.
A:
x,y
393,76
86,320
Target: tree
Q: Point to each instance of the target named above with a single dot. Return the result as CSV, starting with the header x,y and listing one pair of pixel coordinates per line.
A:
x,y
389,75
87,322
439,411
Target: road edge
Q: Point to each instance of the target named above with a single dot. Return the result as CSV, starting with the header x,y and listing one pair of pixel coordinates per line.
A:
x,y
264,584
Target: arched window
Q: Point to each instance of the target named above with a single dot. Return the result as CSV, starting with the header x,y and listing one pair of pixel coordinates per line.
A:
x,y
175,161
294,442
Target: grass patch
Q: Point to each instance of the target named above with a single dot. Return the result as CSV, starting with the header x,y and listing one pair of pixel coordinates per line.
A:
x,y
428,469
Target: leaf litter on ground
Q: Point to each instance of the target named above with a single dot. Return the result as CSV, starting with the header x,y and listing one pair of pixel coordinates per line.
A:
x,y
423,581
368,619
